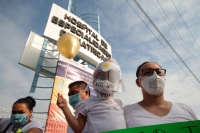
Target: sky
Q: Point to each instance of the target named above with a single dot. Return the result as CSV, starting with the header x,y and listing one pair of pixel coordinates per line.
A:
x,y
173,41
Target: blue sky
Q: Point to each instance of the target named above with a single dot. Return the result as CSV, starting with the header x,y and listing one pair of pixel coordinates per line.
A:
x,y
131,41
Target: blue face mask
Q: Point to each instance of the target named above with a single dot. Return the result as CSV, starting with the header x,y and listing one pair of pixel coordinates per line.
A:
x,y
74,100
18,120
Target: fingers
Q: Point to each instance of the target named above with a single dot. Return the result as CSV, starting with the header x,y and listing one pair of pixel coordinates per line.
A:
x,y
60,99
60,95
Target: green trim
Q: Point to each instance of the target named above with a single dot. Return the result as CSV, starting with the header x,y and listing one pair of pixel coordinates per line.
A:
x,y
179,127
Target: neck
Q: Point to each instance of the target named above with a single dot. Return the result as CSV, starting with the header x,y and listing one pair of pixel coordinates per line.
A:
x,y
27,121
151,100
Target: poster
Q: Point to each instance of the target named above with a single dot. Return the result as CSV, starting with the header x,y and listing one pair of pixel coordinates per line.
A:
x,y
178,127
66,73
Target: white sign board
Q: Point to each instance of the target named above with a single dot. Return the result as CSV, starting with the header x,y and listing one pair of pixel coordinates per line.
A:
x,y
93,46
31,54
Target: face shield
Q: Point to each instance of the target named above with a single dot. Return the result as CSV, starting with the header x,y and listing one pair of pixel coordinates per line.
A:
x,y
111,75
109,70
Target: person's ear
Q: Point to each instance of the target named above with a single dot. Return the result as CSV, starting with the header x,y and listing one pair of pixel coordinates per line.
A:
x,y
31,111
30,114
137,81
87,93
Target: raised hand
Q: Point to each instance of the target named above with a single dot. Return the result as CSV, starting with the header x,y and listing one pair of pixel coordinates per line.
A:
x,y
61,101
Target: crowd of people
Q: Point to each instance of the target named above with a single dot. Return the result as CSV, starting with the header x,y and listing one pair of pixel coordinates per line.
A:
x,y
102,112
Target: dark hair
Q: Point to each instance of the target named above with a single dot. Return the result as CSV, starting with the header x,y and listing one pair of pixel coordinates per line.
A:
x,y
81,84
29,101
138,69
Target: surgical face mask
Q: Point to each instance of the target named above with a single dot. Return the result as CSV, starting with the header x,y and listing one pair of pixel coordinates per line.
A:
x,y
154,84
104,88
74,100
18,120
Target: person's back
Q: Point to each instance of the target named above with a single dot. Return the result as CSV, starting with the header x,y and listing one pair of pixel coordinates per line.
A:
x,y
102,114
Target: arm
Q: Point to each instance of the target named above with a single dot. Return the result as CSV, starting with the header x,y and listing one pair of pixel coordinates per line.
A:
x,y
77,125
34,130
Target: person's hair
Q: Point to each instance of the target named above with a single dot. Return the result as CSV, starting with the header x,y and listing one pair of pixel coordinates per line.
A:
x,y
81,84
29,101
138,69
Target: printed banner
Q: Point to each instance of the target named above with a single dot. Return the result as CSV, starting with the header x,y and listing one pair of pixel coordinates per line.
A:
x,y
65,74
180,127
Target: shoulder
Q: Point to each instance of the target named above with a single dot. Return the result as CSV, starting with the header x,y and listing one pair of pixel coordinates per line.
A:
x,y
88,102
184,108
82,107
4,120
33,124
129,107
4,123
81,104
181,106
36,123
118,101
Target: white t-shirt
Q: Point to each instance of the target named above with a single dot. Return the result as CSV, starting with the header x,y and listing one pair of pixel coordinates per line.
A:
x,y
6,121
102,115
137,116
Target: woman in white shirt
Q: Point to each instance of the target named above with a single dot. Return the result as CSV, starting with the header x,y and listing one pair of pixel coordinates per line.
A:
x,y
20,118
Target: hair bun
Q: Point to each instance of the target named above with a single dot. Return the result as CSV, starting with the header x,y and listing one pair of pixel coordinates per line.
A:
x,y
32,100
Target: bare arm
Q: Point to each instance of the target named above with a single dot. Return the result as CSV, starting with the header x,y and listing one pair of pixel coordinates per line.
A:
x,y
34,130
77,125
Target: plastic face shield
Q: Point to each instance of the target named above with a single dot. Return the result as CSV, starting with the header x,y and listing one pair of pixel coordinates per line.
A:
x,y
110,70
112,76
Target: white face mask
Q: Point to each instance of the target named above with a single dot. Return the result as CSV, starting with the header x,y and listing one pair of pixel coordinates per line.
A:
x,y
104,88
154,84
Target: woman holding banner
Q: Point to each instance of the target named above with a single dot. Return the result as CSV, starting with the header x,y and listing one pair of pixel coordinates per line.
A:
x,y
154,109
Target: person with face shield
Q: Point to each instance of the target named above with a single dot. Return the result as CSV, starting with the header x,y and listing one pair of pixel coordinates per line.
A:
x,y
19,120
101,112
78,91
154,109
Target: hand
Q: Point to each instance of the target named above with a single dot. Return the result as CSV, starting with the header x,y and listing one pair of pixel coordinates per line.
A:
x,y
61,101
